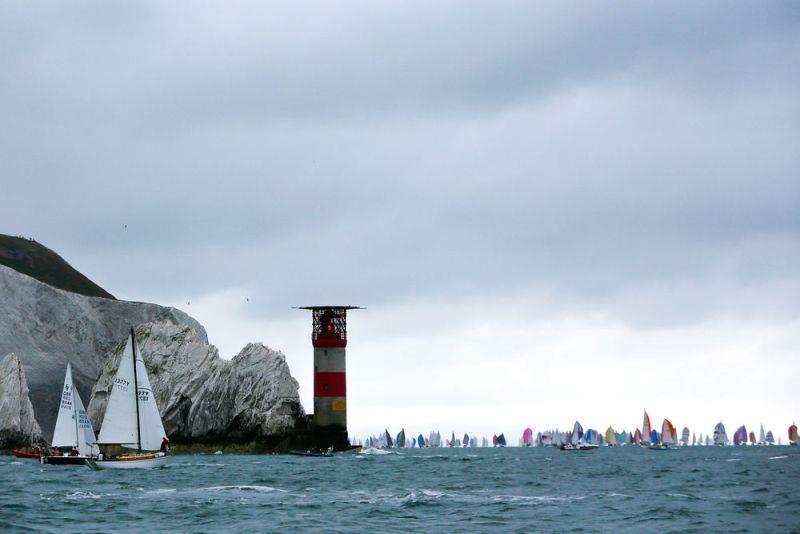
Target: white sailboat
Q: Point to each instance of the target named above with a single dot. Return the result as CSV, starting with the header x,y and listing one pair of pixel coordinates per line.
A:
x,y
132,419
73,436
720,436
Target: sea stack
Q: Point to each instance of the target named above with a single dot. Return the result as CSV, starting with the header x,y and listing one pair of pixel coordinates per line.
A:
x,y
18,426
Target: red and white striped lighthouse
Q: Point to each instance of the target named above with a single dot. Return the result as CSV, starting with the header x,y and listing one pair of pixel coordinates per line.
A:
x,y
329,337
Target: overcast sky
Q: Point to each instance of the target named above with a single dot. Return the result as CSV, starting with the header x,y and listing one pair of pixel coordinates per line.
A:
x,y
551,210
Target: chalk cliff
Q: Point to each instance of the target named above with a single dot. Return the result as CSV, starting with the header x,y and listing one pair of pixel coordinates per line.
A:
x,y
47,327
18,426
203,398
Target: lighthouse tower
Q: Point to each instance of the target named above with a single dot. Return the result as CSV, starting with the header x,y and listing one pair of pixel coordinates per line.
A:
x,y
329,337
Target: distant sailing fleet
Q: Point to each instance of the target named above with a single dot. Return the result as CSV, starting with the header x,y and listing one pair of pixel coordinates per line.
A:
x,y
578,439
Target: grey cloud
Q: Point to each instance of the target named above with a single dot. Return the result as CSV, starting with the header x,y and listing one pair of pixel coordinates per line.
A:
x,y
383,154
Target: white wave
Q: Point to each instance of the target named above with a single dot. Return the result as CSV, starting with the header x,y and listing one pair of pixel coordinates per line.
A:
x,y
373,450
81,495
161,490
777,457
533,499
260,489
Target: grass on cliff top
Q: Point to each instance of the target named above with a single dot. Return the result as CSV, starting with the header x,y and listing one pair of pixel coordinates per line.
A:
x,y
37,261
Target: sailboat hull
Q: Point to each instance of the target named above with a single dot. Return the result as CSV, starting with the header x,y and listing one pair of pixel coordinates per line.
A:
x,y
132,462
63,460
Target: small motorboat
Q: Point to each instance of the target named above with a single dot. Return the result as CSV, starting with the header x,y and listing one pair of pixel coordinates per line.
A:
x,y
578,446
317,454
31,455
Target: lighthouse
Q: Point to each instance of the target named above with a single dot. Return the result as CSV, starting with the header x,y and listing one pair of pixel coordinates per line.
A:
x,y
329,338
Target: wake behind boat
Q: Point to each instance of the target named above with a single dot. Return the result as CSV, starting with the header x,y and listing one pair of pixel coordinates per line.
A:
x,y
132,420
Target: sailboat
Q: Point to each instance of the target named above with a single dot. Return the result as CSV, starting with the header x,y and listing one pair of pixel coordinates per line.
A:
x,y
793,438
752,438
132,419
421,441
740,436
685,436
578,441
646,429
720,436
401,439
527,437
770,438
73,437
610,437
465,441
667,438
762,438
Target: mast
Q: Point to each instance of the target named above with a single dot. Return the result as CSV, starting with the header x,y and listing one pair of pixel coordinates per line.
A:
x,y
136,395
75,414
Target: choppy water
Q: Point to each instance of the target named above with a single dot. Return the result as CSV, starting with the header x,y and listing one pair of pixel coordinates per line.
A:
x,y
703,488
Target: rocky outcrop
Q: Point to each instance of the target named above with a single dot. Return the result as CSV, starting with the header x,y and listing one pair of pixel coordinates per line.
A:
x,y
47,327
203,398
18,426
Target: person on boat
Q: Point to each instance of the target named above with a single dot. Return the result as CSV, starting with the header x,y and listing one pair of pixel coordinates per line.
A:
x,y
73,452
165,445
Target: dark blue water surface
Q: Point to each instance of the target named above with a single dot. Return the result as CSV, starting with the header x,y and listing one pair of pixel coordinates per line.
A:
x,y
701,488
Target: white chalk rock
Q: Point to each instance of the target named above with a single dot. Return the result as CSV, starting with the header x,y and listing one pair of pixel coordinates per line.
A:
x,y
18,426
202,397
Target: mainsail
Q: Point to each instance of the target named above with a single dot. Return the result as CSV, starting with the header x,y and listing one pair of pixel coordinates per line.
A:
x,y
401,438
762,439
685,436
646,427
720,436
667,433
577,433
73,428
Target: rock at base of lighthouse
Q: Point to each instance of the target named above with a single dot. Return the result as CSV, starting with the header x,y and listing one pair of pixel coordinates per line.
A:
x,y
18,426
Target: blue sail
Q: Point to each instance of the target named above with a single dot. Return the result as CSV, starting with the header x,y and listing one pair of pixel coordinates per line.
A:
x,y
420,441
653,436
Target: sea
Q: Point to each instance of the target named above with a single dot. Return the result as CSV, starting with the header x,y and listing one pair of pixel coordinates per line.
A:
x,y
494,489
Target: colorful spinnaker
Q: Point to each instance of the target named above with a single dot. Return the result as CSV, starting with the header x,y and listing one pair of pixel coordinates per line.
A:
x,y
527,437
668,433
740,436
793,438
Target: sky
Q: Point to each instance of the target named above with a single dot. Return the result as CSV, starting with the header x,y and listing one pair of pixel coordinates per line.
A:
x,y
551,210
